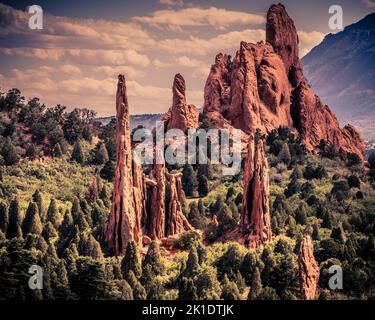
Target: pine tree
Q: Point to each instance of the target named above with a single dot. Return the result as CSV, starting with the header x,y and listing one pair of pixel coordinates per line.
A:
x,y
315,233
131,261
14,226
201,207
32,223
66,229
338,233
53,214
207,285
189,180
284,154
38,199
9,153
229,290
108,170
139,292
105,196
4,217
153,260
77,153
256,285
187,289
203,187
192,264
57,151
49,233
78,216
101,154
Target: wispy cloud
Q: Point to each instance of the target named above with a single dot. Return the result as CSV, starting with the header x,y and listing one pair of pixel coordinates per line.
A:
x,y
369,3
197,17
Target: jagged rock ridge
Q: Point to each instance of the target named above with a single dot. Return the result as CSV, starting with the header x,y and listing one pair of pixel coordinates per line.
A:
x,y
264,87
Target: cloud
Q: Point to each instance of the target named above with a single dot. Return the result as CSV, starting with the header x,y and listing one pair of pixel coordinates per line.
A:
x,y
82,56
197,17
369,3
308,40
172,3
223,42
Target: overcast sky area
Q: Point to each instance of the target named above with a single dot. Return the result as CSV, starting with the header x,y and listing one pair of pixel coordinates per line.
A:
x,y
84,45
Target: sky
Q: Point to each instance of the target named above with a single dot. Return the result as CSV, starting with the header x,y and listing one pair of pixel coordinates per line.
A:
x,y
75,59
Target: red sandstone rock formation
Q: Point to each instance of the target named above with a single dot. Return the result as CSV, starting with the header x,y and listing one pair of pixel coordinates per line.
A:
x,y
176,220
255,216
124,223
181,115
255,89
308,269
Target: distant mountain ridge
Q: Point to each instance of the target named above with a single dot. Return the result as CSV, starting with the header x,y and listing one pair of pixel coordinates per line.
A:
x,y
341,70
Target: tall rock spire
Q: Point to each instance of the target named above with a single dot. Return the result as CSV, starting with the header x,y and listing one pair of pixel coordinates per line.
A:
x,y
308,269
180,115
282,35
124,223
255,217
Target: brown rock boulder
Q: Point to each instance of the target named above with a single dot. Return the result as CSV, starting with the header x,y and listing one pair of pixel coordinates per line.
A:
x,y
255,217
308,269
181,115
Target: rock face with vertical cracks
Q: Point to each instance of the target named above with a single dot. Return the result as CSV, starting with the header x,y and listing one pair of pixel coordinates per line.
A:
x,y
124,223
164,198
264,87
308,269
180,115
176,220
255,216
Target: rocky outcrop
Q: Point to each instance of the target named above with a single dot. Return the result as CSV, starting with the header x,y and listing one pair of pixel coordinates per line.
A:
x,y
124,223
176,220
255,216
180,115
264,87
164,197
308,269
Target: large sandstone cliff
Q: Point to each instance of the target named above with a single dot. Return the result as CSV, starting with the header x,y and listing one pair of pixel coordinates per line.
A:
x,y
264,87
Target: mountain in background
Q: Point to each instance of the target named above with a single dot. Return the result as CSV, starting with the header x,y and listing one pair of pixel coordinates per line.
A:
x,y
341,70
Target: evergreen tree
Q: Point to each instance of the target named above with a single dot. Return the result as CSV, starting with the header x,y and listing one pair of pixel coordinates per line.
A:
x,y
256,285
77,153
153,259
203,187
105,196
53,214
229,290
57,151
139,292
195,216
108,170
89,246
126,292
78,216
4,217
315,233
49,233
32,223
187,289
14,226
38,199
101,154
192,264
31,151
207,285
9,153
248,266
131,261
189,180
201,207
327,220
66,229
338,234
301,216
284,154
